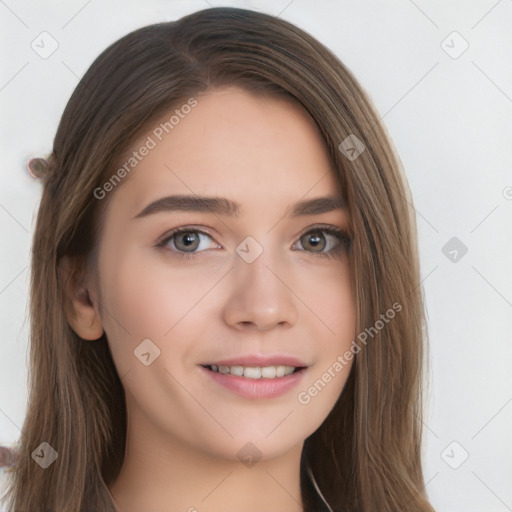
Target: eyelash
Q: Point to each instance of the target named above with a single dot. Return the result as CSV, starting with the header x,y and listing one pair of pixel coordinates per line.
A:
x,y
342,236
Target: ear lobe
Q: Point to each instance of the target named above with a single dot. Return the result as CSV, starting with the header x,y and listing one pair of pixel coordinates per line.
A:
x,y
79,309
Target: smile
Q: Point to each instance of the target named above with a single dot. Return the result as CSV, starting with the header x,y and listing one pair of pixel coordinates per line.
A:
x,y
254,382
254,372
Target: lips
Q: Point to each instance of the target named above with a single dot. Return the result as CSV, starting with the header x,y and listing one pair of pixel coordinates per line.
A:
x,y
255,382
257,375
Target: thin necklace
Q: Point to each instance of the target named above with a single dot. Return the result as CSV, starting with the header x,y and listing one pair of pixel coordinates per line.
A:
x,y
318,490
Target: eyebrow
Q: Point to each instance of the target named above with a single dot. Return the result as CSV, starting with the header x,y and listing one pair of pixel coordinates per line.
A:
x,y
224,206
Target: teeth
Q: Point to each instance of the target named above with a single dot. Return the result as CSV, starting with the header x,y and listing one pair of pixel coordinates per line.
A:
x,y
254,372
237,370
268,372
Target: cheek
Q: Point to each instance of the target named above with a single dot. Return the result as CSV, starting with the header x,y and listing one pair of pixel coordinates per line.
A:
x,y
152,299
334,313
337,310
328,303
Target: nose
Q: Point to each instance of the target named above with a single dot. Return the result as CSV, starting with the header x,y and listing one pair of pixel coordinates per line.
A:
x,y
261,295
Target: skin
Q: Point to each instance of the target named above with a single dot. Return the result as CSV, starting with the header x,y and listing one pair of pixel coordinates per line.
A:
x,y
184,430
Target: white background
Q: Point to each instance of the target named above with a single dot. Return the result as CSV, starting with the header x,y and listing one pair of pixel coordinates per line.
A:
x,y
451,121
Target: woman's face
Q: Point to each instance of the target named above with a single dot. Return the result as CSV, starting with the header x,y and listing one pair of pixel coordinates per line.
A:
x,y
256,285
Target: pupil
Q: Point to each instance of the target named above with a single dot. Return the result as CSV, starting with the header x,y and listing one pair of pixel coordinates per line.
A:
x,y
188,238
317,239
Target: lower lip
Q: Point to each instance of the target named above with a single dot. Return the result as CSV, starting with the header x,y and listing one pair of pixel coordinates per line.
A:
x,y
256,388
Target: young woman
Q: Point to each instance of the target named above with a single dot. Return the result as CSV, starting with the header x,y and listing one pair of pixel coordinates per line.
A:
x,y
225,304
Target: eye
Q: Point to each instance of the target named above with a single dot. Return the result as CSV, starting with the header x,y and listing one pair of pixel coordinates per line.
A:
x,y
315,239
186,241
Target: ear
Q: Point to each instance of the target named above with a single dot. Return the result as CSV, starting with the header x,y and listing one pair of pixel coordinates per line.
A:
x,y
81,312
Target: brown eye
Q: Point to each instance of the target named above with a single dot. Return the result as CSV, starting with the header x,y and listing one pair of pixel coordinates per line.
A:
x,y
314,240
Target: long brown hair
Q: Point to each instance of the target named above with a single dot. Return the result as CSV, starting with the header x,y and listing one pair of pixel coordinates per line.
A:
x,y
366,456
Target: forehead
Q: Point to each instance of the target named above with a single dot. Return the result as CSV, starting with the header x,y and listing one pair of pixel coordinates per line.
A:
x,y
231,143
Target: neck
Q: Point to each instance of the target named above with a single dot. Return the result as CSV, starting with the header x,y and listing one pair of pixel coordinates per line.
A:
x,y
162,474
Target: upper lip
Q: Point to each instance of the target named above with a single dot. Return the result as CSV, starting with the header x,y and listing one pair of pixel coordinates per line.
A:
x,y
260,360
